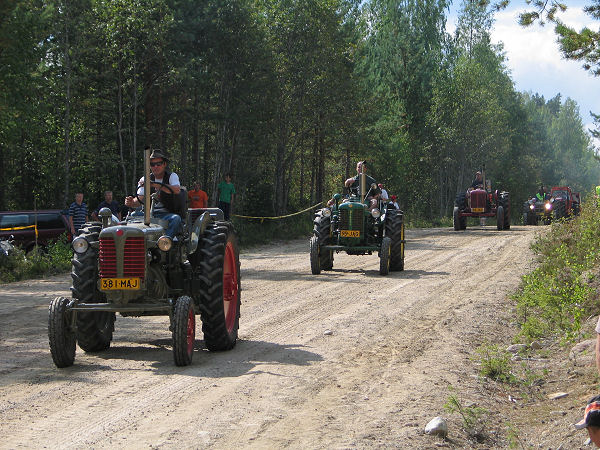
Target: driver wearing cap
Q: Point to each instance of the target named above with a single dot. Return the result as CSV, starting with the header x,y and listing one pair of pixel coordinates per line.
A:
x,y
166,183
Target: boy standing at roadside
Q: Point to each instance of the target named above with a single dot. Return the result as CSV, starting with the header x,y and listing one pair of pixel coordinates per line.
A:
x,y
226,194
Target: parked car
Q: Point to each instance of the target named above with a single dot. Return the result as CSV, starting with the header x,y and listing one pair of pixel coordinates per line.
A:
x,y
51,224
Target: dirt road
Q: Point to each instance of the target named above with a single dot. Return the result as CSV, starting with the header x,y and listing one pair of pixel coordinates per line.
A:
x,y
344,359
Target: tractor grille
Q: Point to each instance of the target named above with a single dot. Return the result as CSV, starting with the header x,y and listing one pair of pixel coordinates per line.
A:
x,y
133,258
478,199
351,220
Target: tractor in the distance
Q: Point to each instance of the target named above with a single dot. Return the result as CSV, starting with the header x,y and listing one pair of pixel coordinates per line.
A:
x,y
348,225
133,268
482,202
565,202
536,210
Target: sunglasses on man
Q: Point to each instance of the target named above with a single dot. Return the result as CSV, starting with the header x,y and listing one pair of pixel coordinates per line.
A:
x,y
158,163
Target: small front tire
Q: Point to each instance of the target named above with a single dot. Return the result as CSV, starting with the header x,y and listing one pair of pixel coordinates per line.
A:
x,y
315,262
60,334
184,331
385,256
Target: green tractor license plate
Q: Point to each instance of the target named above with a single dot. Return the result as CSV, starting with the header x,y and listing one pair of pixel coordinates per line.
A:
x,y
109,284
350,233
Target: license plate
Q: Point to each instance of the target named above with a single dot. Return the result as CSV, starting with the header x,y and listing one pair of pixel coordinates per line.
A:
x,y
350,233
108,284
478,209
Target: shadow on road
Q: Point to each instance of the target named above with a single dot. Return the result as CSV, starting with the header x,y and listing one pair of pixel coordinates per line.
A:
x,y
246,357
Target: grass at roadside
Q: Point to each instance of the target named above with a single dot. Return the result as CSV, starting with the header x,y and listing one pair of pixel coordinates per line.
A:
x,y
560,293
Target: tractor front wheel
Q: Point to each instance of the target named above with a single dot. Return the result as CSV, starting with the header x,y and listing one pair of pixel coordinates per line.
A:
x,y
500,218
456,219
60,335
315,262
184,331
385,256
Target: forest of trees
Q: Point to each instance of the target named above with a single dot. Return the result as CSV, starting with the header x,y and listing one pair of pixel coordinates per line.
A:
x,y
285,94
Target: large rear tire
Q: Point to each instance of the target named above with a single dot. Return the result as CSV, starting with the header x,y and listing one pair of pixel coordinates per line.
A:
x,y
220,281
94,329
559,210
184,331
394,229
385,256
315,261
60,335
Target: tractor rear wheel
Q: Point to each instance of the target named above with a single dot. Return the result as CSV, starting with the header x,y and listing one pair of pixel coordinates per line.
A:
x,y
500,218
385,256
322,226
94,329
219,274
60,335
559,210
394,229
315,261
184,331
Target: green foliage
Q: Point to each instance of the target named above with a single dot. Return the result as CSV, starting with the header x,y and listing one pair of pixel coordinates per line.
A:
x,y
556,297
473,417
23,266
495,363
286,95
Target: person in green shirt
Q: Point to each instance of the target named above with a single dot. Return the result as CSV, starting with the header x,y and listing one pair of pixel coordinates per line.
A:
x,y
226,193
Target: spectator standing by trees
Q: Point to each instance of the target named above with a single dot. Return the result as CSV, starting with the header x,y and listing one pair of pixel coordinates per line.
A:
x,y
226,193
197,197
78,214
108,202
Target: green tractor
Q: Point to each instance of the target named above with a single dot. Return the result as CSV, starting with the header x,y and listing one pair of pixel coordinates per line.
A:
x,y
134,269
351,227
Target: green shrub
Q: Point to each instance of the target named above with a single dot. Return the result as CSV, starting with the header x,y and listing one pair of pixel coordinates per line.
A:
x,y
554,299
495,363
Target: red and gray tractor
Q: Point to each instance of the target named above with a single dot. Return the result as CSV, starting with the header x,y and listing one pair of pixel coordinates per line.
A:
x,y
133,268
565,202
482,202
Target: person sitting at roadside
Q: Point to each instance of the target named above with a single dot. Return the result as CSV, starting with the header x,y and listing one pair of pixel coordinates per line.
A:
x,y
591,420
354,183
167,185
108,202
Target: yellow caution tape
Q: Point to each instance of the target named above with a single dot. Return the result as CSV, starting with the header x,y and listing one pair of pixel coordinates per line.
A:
x,y
278,217
21,228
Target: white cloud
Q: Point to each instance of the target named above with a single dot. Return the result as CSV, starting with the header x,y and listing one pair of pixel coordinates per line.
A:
x,y
536,64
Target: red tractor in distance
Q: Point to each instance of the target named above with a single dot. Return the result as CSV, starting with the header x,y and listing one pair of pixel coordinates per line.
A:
x,y
565,202
482,202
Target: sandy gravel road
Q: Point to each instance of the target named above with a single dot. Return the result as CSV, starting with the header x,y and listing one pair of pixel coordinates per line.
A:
x,y
397,342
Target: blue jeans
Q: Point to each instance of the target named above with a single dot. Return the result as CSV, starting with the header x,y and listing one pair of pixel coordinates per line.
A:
x,y
174,221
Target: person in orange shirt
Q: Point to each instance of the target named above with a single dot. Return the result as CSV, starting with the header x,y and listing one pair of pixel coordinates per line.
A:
x,y
197,197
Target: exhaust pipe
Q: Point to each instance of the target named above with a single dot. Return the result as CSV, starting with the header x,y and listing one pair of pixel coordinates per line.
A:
x,y
147,187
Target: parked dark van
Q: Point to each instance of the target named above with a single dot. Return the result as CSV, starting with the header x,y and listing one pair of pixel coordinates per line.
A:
x,y
51,224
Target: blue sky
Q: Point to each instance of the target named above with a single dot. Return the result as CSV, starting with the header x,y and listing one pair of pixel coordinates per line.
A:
x,y
534,59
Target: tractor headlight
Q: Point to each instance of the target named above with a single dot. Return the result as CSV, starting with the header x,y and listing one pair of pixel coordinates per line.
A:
x,y
532,206
375,213
80,245
165,243
548,205
326,212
